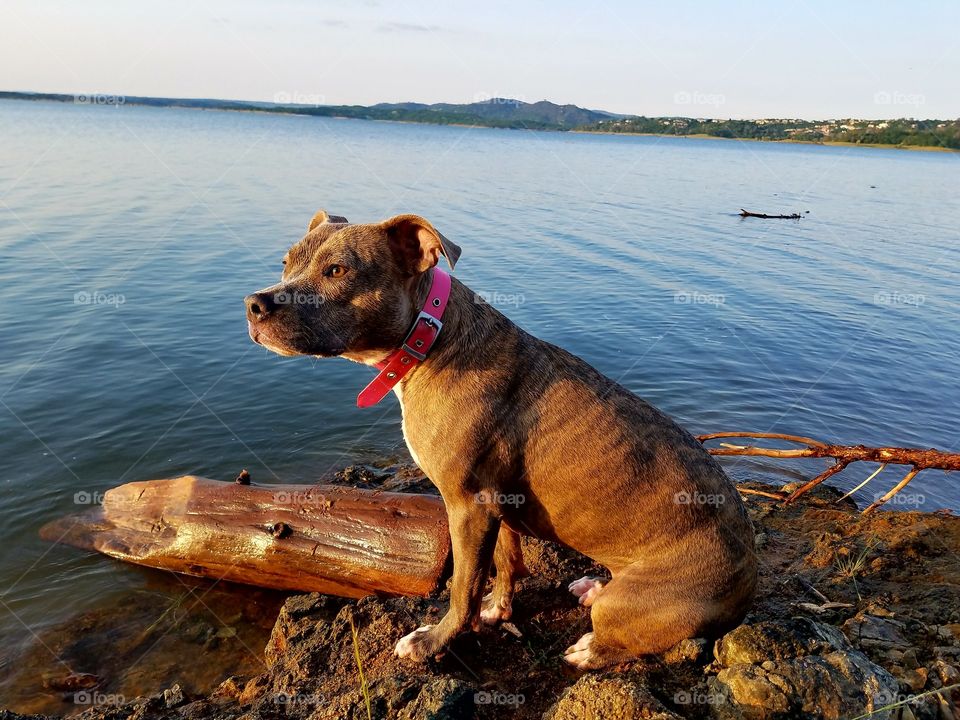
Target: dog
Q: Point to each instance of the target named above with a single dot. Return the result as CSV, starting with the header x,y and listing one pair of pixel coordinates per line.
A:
x,y
521,438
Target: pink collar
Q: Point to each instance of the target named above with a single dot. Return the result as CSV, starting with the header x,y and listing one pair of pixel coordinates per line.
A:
x,y
422,336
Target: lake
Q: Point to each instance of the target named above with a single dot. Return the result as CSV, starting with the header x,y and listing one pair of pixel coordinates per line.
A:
x,y
129,237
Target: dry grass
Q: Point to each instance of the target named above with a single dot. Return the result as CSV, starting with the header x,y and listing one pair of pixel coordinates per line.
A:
x,y
850,566
364,688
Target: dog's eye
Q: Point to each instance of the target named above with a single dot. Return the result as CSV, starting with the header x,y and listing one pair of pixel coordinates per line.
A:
x,y
335,271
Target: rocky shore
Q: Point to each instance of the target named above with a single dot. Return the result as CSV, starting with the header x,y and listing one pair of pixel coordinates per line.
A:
x,y
856,617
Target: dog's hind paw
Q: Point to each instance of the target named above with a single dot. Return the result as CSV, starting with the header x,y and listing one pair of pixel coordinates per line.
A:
x,y
493,610
587,589
579,654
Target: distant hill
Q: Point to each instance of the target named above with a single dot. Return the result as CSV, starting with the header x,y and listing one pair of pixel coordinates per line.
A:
x,y
495,112
545,115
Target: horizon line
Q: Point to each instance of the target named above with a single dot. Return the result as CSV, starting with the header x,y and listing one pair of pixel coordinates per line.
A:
x,y
504,100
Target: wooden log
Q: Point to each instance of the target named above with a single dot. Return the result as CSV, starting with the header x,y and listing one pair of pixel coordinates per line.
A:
x,y
323,538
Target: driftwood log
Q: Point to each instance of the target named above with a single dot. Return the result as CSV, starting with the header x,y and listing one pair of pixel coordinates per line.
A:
x,y
316,538
843,455
345,541
747,213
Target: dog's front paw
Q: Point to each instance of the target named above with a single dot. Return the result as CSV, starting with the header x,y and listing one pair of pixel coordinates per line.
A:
x,y
580,655
418,645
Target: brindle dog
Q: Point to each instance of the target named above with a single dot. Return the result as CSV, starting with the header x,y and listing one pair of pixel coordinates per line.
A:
x,y
523,438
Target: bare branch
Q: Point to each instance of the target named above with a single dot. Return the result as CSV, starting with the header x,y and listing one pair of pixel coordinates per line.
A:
x,y
893,491
843,455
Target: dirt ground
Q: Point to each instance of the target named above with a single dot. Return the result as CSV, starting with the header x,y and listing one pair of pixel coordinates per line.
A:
x,y
890,581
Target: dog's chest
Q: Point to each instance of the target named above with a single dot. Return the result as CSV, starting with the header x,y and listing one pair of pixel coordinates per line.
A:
x,y
404,428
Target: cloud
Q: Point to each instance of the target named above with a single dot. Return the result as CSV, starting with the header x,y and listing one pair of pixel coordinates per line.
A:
x,y
409,27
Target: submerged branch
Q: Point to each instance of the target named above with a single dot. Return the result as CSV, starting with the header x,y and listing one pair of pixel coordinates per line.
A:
x,y
791,216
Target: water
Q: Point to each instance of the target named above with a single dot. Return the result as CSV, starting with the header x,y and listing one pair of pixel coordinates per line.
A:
x,y
129,236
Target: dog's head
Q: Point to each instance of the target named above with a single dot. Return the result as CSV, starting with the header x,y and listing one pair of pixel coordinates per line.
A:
x,y
348,289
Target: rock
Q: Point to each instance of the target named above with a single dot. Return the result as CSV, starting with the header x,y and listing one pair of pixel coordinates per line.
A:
x,y
609,698
229,689
909,659
140,709
895,655
198,710
173,696
304,649
254,688
874,608
795,669
298,617
871,631
312,653
72,682
950,632
947,673
687,651
752,644
442,699
394,692
915,678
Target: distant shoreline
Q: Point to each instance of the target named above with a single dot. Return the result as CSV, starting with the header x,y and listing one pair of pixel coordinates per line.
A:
x,y
783,141
501,114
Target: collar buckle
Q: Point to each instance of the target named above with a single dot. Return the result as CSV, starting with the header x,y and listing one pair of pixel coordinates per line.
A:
x,y
421,354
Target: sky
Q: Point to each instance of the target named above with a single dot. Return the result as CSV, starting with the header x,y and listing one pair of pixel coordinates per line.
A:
x,y
804,59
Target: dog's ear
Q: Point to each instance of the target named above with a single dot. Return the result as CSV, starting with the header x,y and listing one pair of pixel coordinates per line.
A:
x,y
417,244
323,217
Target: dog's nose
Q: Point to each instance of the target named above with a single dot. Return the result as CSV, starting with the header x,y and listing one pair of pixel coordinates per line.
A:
x,y
259,305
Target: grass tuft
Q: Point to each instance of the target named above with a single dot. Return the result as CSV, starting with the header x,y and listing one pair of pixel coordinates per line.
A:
x,y
851,565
